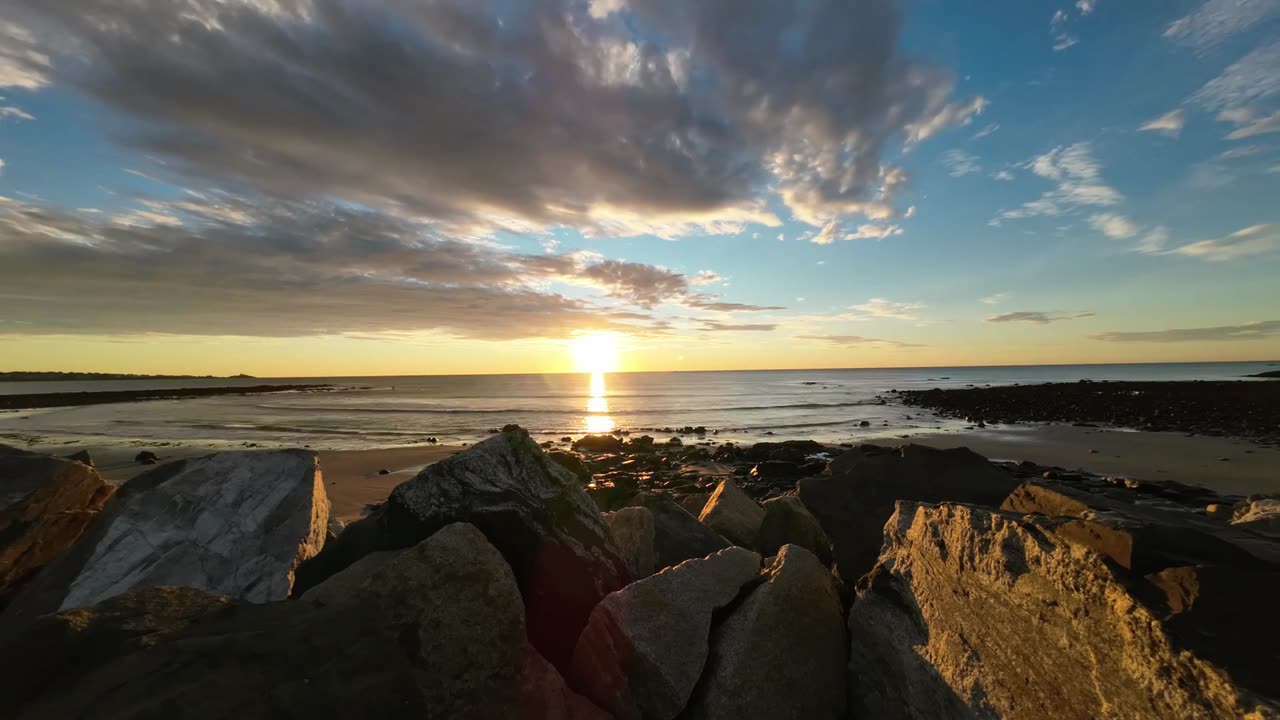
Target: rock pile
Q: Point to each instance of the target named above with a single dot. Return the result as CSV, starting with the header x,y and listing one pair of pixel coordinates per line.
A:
x,y
492,586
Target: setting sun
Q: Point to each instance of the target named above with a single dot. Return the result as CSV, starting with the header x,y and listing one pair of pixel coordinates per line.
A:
x,y
595,353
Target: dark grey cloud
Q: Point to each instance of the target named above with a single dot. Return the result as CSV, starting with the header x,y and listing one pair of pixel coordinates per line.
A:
x,y
1249,331
540,111
1040,318
717,326
218,265
855,340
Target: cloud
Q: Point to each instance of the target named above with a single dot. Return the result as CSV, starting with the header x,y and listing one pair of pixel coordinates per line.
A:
x,y
1078,176
706,277
960,163
1039,318
1003,175
716,326
882,308
833,231
1086,6
1250,241
855,340
987,129
1217,20
1269,124
1154,242
996,299
1247,84
222,265
1249,331
1239,152
557,112
17,113
1170,123
1114,226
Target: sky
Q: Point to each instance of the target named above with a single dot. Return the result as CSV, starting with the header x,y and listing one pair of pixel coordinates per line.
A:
x,y
333,187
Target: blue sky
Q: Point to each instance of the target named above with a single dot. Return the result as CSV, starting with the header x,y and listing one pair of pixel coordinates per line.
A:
x,y
755,184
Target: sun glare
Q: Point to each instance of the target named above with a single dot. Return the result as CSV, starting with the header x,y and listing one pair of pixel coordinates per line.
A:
x,y
595,353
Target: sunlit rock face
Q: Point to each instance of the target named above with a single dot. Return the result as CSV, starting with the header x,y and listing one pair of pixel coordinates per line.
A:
x,y
232,523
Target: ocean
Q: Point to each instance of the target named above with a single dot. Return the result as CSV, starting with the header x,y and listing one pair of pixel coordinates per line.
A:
x,y
372,412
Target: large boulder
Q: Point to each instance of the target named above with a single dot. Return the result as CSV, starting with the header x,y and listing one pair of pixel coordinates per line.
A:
x,y
231,523
532,509
46,503
571,462
854,502
788,522
973,612
644,649
678,536
732,514
633,532
781,652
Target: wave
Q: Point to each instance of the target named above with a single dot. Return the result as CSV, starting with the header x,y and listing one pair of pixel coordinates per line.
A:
x,y
560,411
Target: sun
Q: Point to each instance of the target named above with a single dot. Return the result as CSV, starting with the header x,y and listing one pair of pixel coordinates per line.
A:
x,y
595,352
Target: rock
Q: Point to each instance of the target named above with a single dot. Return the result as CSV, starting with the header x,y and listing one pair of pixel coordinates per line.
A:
x,y
788,522
598,444
511,427
146,457
855,501
796,451
677,535
973,612
781,653
543,695
384,471
1259,514
771,470
232,523
644,648
732,514
530,508
571,462
46,503
633,533
694,503
82,456
335,528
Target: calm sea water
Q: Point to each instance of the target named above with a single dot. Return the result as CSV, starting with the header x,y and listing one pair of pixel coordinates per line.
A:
x,y
826,405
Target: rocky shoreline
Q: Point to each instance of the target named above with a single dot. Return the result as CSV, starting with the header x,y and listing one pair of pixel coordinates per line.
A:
x,y
512,581
1246,409
66,399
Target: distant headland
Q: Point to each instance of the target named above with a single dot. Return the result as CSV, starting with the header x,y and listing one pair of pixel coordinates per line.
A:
x,y
24,376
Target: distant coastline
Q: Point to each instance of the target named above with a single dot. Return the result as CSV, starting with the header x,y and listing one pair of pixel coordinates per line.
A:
x,y
42,376
44,400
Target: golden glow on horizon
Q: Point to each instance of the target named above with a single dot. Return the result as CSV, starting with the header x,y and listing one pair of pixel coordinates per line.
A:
x,y
598,421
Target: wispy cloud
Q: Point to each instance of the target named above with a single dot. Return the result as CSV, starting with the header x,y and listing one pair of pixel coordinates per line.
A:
x,y
1078,177
1217,20
1170,123
1263,126
1086,6
1236,153
717,326
1239,92
995,299
1114,226
986,130
834,231
857,340
1248,242
1002,175
706,277
1249,331
1039,318
1057,29
882,308
960,163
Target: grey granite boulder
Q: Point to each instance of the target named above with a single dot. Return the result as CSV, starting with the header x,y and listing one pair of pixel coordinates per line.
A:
x,y
788,522
46,503
644,648
232,523
976,613
781,652
633,532
732,514
531,509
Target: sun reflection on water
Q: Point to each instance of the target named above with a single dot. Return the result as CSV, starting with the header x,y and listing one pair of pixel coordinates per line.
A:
x,y
598,420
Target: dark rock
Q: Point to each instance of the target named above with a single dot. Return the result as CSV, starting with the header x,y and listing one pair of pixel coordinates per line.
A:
x,y
146,457
854,503
82,456
788,522
571,462
511,427
633,533
46,504
598,444
384,471
533,510
678,536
